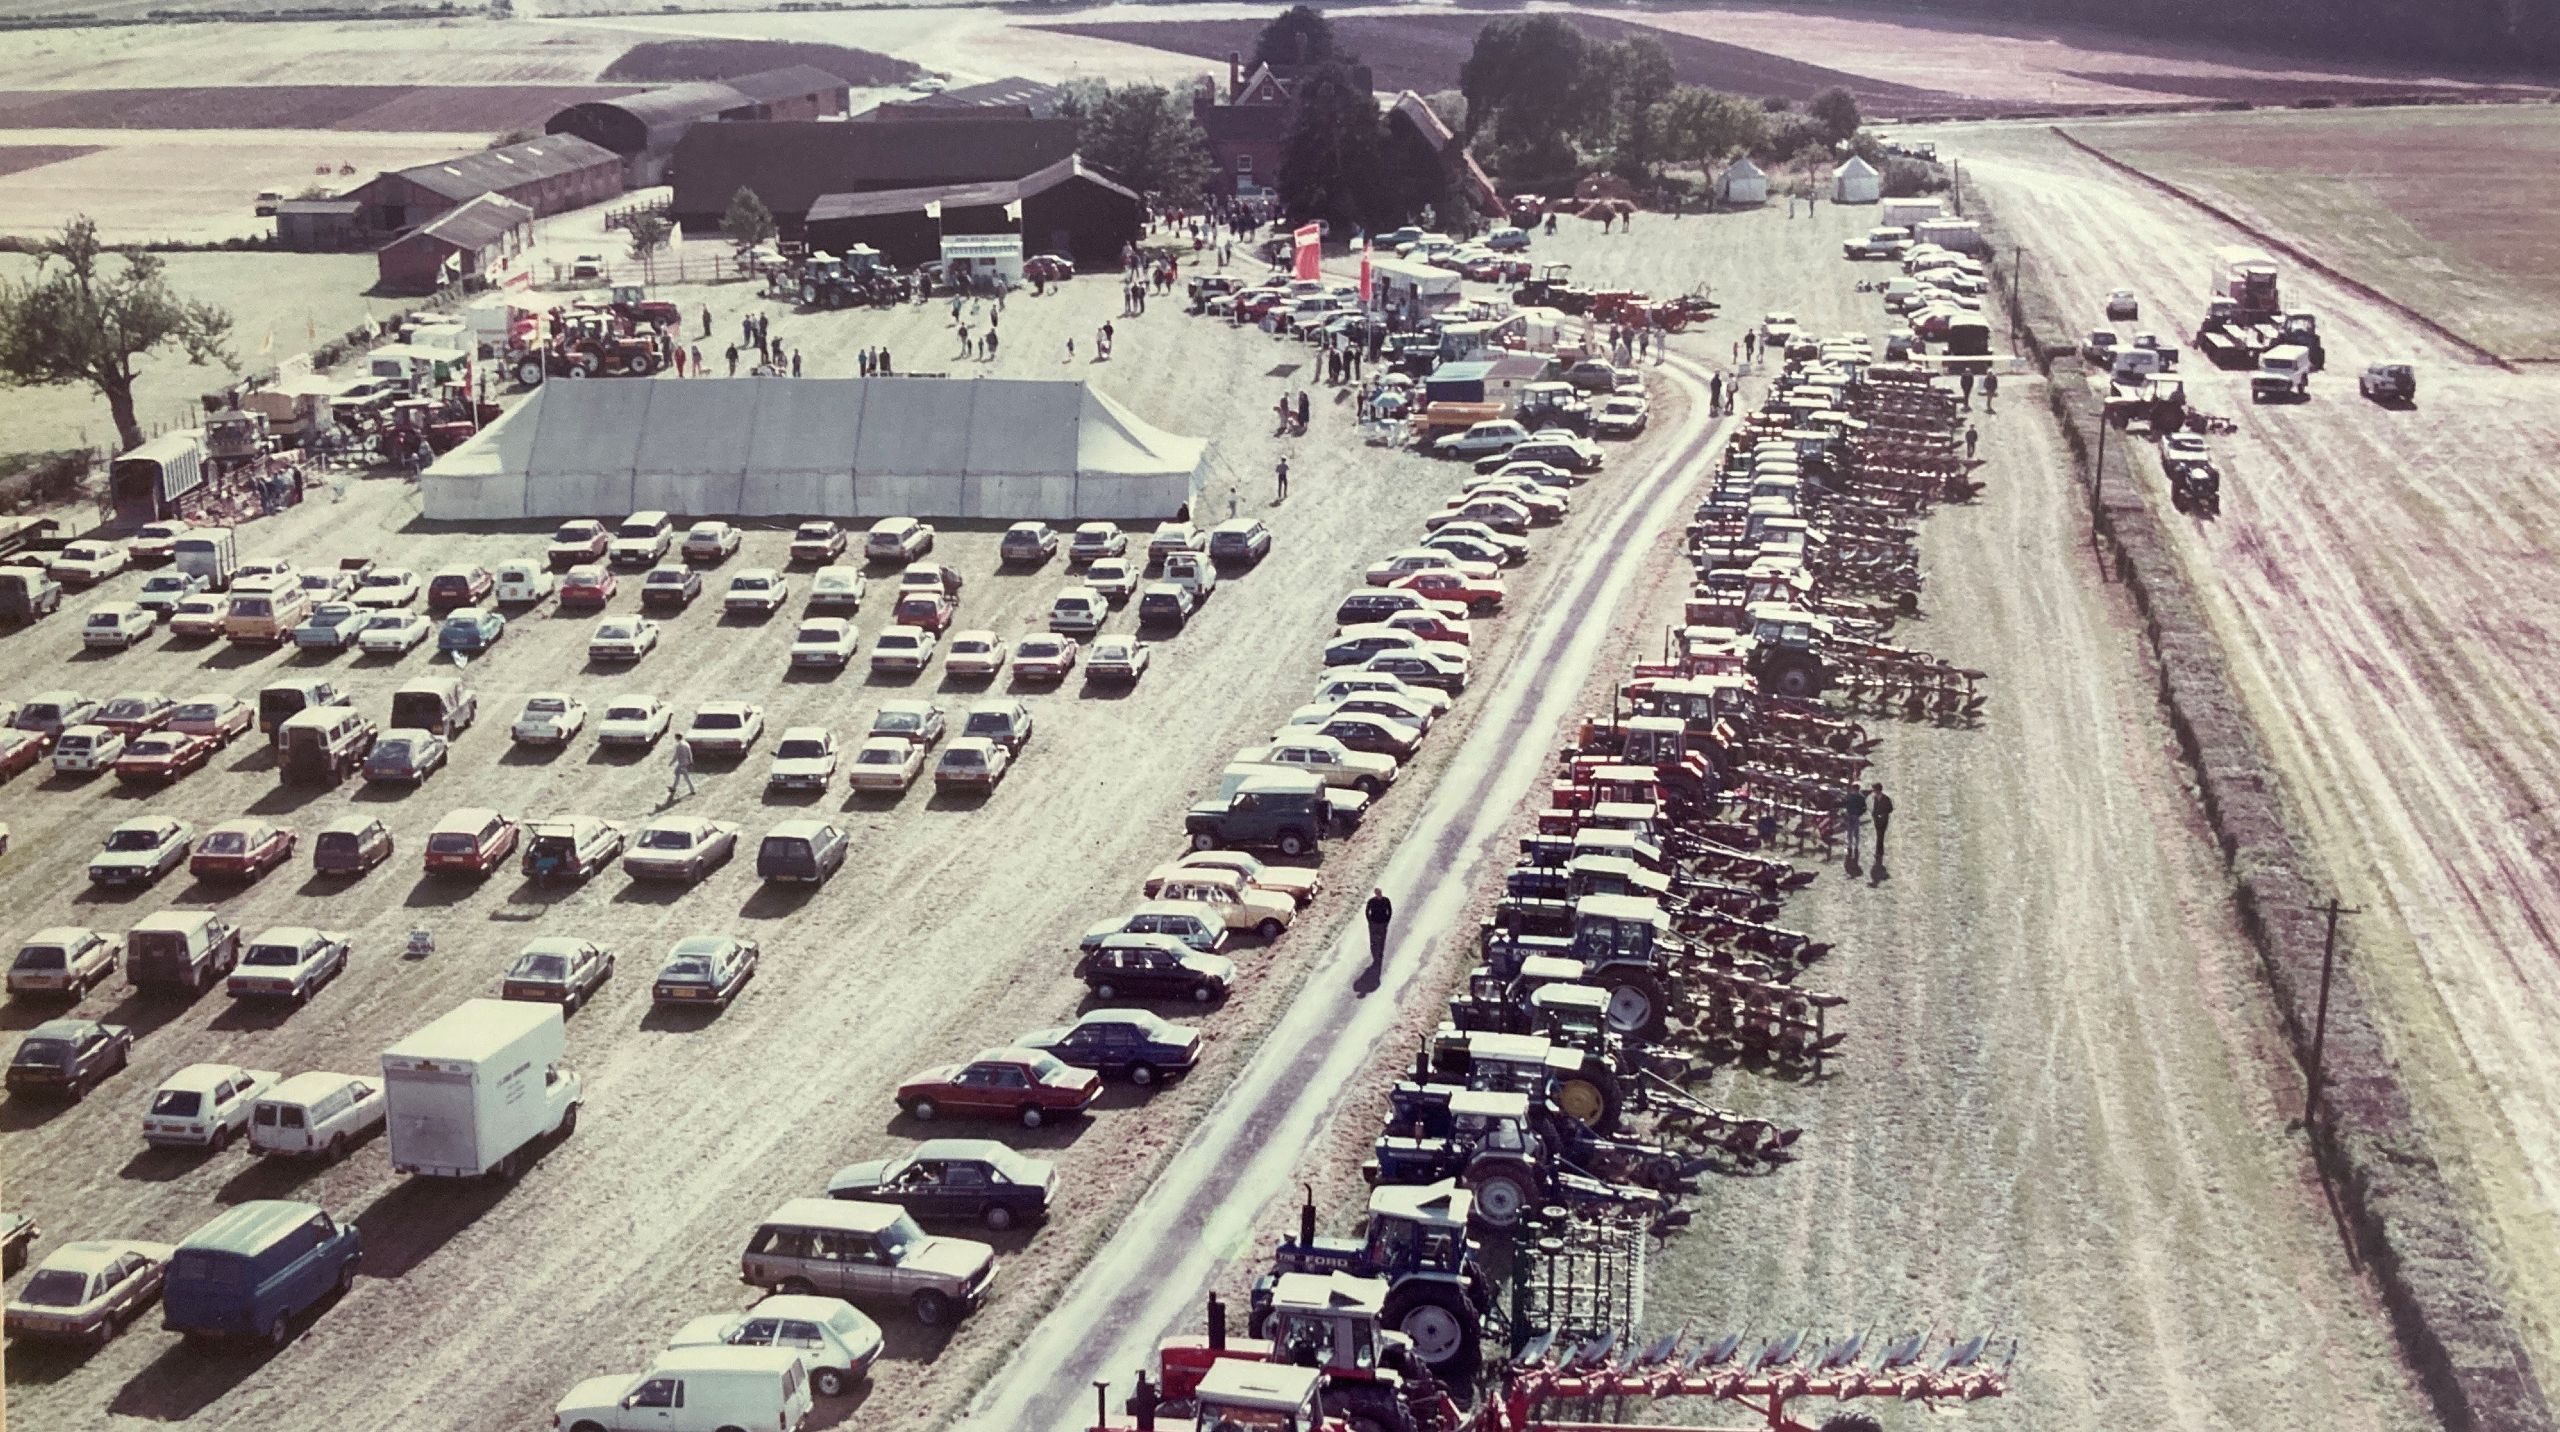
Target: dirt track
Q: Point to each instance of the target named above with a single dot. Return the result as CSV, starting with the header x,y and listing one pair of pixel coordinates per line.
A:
x,y
2380,581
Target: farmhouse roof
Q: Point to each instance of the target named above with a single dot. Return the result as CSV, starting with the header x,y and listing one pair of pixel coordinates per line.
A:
x,y
1418,112
479,223
789,164
962,196
321,206
468,176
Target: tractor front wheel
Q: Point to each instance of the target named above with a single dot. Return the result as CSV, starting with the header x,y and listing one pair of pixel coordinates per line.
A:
x,y
1502,1195
1435,1316
1635,1003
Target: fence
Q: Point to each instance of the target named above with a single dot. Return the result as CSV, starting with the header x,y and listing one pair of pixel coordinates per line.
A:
x,y
682,266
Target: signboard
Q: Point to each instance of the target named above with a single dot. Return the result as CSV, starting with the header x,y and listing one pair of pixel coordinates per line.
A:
x,y
1309,241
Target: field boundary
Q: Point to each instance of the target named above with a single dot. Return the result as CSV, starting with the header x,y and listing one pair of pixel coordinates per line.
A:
x,y
2446,1309
2353,285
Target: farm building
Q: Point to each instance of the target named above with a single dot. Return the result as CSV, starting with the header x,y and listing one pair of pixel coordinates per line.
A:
x,y
549,175
1856,182
312,226
1067,208
1248,127
790,165
991,448
1742,182
643,128
1028,99
479,242
1416,136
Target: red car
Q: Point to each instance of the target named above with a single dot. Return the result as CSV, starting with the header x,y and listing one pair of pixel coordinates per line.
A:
x,y
162,756
587,585
1255,302
21,749
930,610
1022,1084
458,587
241,849
1476,594
1432,627
471,841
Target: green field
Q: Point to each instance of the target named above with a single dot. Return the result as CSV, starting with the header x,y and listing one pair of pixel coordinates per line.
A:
x,y
2446,210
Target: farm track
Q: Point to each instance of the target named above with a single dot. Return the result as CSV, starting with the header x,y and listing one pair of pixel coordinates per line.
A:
x,y
2380,582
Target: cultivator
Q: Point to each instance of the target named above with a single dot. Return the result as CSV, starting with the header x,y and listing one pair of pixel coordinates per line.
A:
x,y
1575,1279
1565,1384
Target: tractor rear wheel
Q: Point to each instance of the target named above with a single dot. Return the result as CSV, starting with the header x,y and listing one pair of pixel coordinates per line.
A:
x,y
1590,1096
1435,1316
1795,681
1636,1005
1503,1193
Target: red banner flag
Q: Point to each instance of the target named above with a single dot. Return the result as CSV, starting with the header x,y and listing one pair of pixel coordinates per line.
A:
x,y
1310,246
1364,272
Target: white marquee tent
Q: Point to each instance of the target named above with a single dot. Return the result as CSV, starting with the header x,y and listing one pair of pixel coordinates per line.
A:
x,y
1742,182
1856,182
826,447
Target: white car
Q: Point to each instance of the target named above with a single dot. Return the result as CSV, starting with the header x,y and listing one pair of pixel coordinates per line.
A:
x,y
1121,659
86,1292
712,542
804,759
387,588
761,590
886,763
1044,658
87,562
1424,559
522,583
902,649
1386,705
897,539
1079,611
1096,540
633,721
974,653
205,1106
289,963
317,1115
1114,577
391,633
835,1341
1337,764
831,588
622,639
823,641
549,718
725,727
1622,415
1175,537
117,625
84,749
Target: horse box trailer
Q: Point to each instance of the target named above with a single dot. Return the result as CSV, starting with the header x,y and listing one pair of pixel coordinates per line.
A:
x,y
148,481
472,1091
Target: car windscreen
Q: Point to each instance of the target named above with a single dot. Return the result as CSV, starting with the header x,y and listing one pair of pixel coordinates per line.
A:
x,y
177,1103
666,840
278,955
133,840
55,1288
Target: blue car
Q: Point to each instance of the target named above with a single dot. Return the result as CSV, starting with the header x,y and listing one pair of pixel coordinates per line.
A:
x,y
332,626
470,630
1132,1043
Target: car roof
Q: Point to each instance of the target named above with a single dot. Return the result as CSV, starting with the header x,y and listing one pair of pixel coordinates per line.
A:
x,y
469,820
847,1213
201,1076
248,1228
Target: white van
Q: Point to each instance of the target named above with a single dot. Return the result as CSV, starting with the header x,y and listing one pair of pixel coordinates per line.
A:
x,y
694,1389
315,1113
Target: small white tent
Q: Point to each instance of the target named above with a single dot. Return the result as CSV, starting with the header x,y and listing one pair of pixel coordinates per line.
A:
x,y
1856,182
1742,183
996,449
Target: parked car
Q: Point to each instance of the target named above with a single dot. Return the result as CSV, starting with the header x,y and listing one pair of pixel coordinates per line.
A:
x,y
931,577
549,718
918,722
332,626
471,841
711,542
1423,559
577,543
1181,920
392,633
350,845
897,539
955,1180
1025,1085
886,763
1622,415
1447,585
290,962
803,851
69,1057
901,649
459,586
1236,902
317,1115
471,631
971,763
1422,668
387,589
1357,644
1007,723
1239,541
705,969
973,653
62,962
725,728
1298,882
113,626
757,591
1486,439
1095,540
804,759
1174,537
1154,967
832,1338
86,563
1114,578
1079,610
204,1106
522,583
869,1250
680,847
823,643
405,756
141,850
588,585
1163,605
163,591
1027,544
836,588
1044,658
87,1292
160,757
622,639
197,618
212,715
641,540
242,849
256,1267
557,969
817,543
633,721
669,588
50,713
569,847
155,544
1412,715
1132,1044
929,611
1117,660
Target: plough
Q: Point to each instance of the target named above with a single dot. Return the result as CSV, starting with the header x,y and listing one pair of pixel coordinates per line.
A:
x,y
1763,1378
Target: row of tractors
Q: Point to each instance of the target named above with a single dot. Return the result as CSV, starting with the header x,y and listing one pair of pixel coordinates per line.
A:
x,y
1552,285
1543,1136
628,335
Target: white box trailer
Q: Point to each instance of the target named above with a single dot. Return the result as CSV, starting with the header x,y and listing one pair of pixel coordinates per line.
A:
x,y
1962,235
1904,213
470,1093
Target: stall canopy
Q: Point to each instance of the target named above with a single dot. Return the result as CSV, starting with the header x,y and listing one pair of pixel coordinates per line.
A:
x,y
826,447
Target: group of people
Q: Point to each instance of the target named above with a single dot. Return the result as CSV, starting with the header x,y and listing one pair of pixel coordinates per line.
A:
x,y
1295,414
1858,806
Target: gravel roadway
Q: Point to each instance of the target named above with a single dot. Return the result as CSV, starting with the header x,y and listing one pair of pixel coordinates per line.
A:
x,y
950,930
2381,581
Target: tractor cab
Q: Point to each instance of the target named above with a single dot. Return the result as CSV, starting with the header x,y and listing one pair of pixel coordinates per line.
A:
x,y
1697,702
1649,741
1330,1322
1614,875
1437,1295
1239,1396
1573,1016
1785,650
1577,1080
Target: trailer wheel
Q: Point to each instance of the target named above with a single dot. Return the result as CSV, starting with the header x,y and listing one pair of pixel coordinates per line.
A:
x,y
1435,1316
529,372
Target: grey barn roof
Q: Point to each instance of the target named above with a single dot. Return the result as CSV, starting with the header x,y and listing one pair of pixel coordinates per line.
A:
x,y
470,175
962,196
788,82
481,222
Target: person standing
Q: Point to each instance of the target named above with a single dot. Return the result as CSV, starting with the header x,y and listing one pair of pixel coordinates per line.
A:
x,y
698,368
706,320
1879,810
1990,391
1306,410
1280,475
884,360
1853,813
1972,439
1715,394
1382,913
683,768
795,362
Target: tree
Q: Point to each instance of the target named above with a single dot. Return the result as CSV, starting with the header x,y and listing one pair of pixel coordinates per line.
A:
x,y
1708,126
649,233
1531,80
1299,35
1836,110
748,222
1143,134
1640,77
72,322
1329,165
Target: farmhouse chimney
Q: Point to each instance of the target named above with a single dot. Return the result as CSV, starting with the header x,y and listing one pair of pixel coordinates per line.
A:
x,y
1235,74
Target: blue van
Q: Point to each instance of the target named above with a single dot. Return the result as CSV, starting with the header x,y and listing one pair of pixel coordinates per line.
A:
x,y
252,1271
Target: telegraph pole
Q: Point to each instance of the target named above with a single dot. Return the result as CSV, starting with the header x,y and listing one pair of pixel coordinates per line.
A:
x,y
2320,1020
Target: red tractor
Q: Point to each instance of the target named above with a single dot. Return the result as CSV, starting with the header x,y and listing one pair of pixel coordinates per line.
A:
x,y
587,345
1364,1378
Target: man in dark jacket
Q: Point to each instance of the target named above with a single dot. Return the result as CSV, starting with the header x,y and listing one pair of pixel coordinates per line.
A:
x,y
1880,810
1382,911
1853,814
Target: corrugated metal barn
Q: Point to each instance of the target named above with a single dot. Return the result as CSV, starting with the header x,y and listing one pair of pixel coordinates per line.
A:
x,y
1067,208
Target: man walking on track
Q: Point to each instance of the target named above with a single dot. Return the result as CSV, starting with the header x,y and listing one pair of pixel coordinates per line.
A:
x,y
1382,911
1880,808
1853,814
684,768
1282,473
